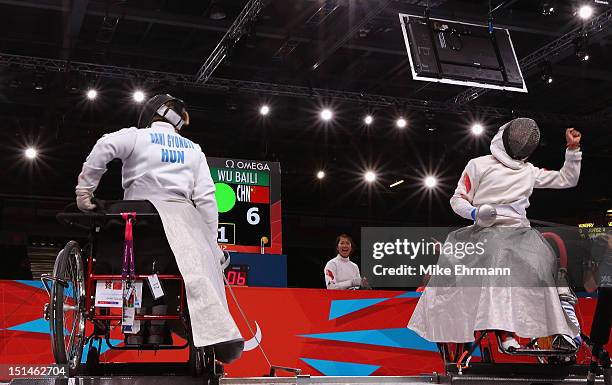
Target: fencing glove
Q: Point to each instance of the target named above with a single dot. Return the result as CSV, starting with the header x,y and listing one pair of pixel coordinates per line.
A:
x,y
485,215
83,200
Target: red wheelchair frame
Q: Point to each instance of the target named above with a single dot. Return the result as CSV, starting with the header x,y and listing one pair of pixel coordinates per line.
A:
x,y
458,359
72,295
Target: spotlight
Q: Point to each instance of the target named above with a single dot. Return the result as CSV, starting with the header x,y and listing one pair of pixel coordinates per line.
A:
x,y
546,72
546,78
477,129
92,94
321,174
582,52
327,114
370,176
31,153
368,120
583,55
401,123
264,110
216,12
138,96
548,7
430,182
585,12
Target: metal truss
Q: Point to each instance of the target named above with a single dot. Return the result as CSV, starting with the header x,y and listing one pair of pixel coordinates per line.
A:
x,y
240,27
216,85
548,52
335,46
328,7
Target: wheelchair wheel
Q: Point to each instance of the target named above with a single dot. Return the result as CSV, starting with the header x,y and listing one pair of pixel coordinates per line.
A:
x,y
66,308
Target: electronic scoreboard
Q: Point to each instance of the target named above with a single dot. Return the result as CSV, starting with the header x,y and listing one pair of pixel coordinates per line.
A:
x,y
249,202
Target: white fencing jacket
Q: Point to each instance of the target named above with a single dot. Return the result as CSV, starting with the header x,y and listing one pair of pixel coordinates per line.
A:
x,y
340,272
507,183
166,166
161,166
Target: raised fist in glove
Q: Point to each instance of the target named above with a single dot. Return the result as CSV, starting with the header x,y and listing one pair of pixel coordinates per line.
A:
x,y
484,215
83,200
356,281
572,137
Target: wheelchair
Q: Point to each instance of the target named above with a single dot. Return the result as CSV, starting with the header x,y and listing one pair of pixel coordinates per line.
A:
x,y
73,316
544,358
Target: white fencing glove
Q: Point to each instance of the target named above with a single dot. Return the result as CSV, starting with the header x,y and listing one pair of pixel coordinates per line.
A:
x,y
485,215
356,281
83,200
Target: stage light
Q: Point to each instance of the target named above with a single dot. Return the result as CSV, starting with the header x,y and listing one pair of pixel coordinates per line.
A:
x,y
321,174
327,114
548,7
401,123
264,110
31,153
430,182
216,11
138,96
583,55
585,12
397,183
582,52
368,120
477,129
370,176
92,94
546,72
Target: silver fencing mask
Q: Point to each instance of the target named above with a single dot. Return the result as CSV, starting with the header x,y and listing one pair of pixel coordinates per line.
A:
x,y
521,137
165,106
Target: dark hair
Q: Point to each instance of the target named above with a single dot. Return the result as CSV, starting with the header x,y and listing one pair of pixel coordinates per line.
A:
x,y
350,239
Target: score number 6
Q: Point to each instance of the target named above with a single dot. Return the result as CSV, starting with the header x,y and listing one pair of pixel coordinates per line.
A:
x,y
253,216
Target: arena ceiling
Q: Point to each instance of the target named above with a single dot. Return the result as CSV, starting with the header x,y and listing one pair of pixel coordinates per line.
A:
x,y
340,45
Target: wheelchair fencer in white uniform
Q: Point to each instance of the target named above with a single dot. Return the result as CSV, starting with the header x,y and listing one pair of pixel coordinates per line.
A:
x,y
494,191
170,171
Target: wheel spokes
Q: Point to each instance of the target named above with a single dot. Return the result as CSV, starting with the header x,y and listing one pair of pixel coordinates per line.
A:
x,y
68,319
72,312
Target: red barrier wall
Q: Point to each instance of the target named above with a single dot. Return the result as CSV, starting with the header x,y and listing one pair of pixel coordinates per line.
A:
x,y
322,332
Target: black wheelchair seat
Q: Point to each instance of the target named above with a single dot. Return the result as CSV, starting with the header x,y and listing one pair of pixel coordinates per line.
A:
x,y
151,249
152,253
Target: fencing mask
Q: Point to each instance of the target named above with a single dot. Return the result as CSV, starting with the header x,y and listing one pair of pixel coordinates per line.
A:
x,y
165,106
521,137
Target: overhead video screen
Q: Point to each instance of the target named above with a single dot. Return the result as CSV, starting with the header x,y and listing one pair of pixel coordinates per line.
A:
x,y
466,54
